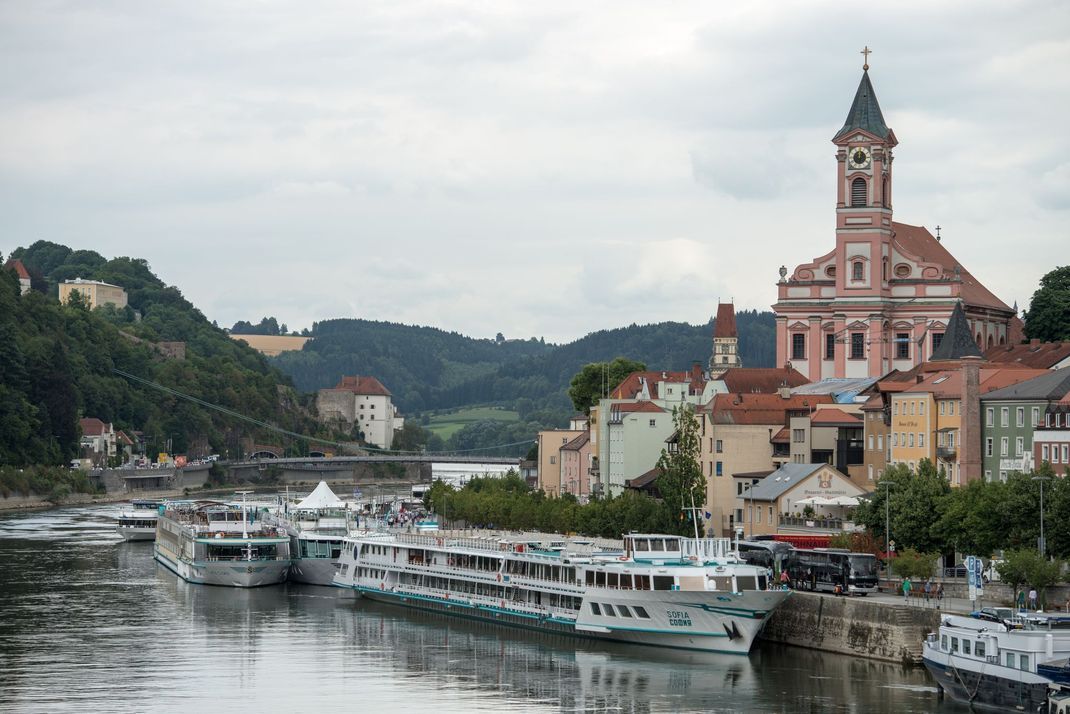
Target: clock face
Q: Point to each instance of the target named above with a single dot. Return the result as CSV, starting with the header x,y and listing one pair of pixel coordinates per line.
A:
x,y
859,157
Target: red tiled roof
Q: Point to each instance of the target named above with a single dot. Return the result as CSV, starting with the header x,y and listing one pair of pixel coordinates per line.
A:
x,y
1040,355
761,380
633,383
122,438
91,426
578,443
920,243
644,480
781,437
759,408
873,403
725,323
637,407
948,384
363,385
834,416
16,265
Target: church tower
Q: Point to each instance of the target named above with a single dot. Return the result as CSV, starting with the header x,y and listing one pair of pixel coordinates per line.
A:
x,y
725,341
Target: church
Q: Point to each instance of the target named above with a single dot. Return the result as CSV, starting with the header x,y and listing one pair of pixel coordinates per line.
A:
x,y
882,298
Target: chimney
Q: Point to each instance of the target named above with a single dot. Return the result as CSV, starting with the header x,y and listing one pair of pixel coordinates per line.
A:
x,y
970,429
784,392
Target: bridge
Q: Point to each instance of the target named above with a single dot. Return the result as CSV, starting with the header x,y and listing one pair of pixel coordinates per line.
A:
x,y
263,458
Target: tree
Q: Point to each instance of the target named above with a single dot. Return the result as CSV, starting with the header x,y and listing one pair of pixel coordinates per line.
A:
x,y
681,483
1048,317
915,565
916,504
596,379
1026,566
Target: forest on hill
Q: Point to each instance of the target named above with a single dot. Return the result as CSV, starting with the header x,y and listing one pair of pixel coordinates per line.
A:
x,y
429,369
57,361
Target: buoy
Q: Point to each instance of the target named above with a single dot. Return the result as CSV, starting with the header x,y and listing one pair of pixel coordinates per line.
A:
x,y
623,557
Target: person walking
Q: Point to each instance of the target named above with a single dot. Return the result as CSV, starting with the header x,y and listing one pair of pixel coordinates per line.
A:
x,y
785,580
939,594
1032,598
927,590
906,588
1021,600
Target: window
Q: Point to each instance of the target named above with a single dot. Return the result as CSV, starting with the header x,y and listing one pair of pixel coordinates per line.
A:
x,y
608,610
758,514
1036,417
1010,660
895,408
720,468
954,644
966,647
921,407
941,408
921,439
798,436
1019,446
653,423
798,346
1066,454
858,345
938,337
979,649
990,419
858,270
739,515
943,642
951,440
911,438
869,442
1003,476
858,192
739,488
594,609
880,442
720,446
1023,660
911,408
1044,453
951,408
553,459
1019,414
1003,446
641,612
895,438
1004,417
830,346
902,345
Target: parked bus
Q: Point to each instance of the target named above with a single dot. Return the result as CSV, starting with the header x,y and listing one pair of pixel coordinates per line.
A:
x,y
833,571
766,553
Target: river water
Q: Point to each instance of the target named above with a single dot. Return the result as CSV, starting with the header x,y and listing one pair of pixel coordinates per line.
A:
x,y
89,623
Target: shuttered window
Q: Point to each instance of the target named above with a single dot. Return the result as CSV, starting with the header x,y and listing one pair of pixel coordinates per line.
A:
x,y
858,192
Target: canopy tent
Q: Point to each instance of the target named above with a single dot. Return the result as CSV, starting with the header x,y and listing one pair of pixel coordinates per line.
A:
x,y
814,501
321,497
843,501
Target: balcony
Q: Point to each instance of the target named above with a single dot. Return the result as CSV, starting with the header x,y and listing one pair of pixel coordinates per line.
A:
x,y
817,524
946,453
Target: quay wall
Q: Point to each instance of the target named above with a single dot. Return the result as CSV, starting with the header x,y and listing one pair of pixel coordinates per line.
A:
x,y
995,593
852,626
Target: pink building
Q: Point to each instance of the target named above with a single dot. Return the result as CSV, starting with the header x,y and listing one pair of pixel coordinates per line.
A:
x,y
576,466
882,298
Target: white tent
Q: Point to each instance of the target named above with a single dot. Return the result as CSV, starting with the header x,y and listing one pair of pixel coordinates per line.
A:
x,y
843,501
321,497
813,501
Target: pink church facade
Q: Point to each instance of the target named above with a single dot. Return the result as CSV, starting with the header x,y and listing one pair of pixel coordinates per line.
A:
x,y
881,299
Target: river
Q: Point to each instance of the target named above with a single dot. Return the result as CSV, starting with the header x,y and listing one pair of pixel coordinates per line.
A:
x,y
89,623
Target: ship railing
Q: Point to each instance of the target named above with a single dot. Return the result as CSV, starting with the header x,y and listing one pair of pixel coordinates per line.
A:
x,y
705,549
241,559
484,601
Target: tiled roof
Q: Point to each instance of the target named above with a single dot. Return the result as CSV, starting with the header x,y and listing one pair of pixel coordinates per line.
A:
x,y
830,417
632,385
781,437
637,407
874,403
20,269
958,339
865,112
1043,355
948,384
122,438
578,443
644,480
780,481
92,426
761,380
1051,385
919,242
725,324
758,408
363,385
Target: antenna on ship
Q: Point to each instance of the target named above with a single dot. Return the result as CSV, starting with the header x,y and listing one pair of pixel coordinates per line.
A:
x,y
244,518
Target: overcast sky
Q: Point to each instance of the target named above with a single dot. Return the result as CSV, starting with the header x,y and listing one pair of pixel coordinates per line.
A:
x,y
534,168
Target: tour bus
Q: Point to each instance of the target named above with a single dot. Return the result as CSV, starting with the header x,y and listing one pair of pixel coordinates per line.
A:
x,y
833,570
766,553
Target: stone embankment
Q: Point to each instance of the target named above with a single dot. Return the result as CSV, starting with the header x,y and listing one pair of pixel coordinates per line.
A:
x,y
852,626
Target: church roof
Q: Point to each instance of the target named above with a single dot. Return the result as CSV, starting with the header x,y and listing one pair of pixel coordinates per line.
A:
x,y
725,324
958,341
1032,354
761,380
865,112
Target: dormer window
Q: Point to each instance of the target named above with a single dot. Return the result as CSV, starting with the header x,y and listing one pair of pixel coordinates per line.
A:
x,y
858,192
858,271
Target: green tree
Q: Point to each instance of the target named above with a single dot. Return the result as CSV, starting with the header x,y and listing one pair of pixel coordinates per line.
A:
x,y
1025,566
916,504
910,563
595,381
681,483
1048,317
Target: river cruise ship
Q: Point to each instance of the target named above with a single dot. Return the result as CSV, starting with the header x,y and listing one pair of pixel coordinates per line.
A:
x,y
139,521
999,663
221,544
654,589
316,526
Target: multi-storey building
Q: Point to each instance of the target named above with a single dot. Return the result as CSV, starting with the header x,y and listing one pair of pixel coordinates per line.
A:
x,y
365,402
877,433
1012,416
725,341
17,266
882,298
576,466
830,434
1051,440
550,442
94,292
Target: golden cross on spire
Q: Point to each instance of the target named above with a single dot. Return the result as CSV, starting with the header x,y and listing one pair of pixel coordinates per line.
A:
x,y
866,52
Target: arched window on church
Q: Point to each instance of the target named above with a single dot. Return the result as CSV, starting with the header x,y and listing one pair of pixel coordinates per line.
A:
x,y
858,192
857,270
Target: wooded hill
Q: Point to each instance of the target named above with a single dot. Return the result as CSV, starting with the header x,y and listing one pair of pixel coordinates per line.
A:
x,y
428,369
56,365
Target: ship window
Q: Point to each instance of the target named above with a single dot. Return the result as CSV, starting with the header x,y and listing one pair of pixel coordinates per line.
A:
x,y
600,580
642,544
979,649
1010,660
624,611
954,644
608,610
965,647
943,642
663,582
612,580
745,582
642,582
723,584
672,545
1023,660
594,609
641,612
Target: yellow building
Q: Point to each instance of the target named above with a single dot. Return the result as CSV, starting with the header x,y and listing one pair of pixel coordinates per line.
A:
x,y
94,292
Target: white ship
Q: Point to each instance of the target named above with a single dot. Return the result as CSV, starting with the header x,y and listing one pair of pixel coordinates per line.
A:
x,y
1004,662
316,526
217,544
138,523
657,590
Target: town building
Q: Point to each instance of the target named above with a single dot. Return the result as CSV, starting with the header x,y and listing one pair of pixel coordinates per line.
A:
x,y
93,292
737,433
799,499
830,434
550,442
725,341
364,402
877,435
1051,439
881,299
576,466
23,274
98,442
1012,416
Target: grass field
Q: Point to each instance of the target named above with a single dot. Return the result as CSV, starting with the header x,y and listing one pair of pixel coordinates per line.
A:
x,y
445,425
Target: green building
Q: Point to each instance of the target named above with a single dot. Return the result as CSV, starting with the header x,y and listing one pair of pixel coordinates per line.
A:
x,y
1010,415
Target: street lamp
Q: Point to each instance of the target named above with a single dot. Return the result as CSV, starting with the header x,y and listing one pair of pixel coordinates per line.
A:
x,y
887,519
1041,543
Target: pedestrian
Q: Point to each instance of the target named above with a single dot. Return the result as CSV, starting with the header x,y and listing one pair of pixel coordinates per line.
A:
x,y
1032,598
939,594
784,579
1068,603
927,590
906,588
1021,600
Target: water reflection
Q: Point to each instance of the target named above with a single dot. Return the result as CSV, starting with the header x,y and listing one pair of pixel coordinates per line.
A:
x,y
89,622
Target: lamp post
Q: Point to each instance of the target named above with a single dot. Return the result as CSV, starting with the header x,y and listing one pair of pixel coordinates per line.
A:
x,y
1041,543
887,520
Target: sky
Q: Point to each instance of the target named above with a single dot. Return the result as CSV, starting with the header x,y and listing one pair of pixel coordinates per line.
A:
x,y
531,168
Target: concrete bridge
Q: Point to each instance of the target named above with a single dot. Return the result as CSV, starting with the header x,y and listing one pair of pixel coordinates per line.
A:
x,y
329,463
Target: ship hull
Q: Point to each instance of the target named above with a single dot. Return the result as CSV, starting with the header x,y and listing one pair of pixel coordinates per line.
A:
x,y
234,574
313,571
987,690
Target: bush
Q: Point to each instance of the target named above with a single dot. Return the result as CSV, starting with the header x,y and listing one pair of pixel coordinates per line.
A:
x,y
914,565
